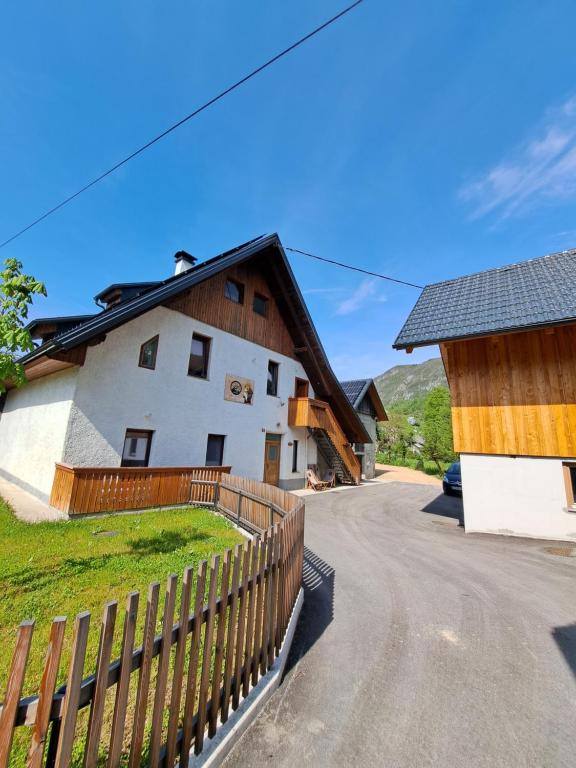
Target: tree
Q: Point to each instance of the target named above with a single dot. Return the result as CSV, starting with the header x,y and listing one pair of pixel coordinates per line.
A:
x,y
437,427
17,292
395,436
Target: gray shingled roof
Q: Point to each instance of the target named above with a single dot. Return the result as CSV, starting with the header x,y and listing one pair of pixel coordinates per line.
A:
x,y
533,293
353,389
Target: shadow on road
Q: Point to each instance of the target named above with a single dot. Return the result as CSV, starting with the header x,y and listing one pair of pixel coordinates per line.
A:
x,y
318,609
565,638
447,506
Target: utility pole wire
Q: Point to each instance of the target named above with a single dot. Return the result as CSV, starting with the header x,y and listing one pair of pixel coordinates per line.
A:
x,y
355,269
185,119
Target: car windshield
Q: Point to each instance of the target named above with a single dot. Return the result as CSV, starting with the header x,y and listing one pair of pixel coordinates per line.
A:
x,y
454,469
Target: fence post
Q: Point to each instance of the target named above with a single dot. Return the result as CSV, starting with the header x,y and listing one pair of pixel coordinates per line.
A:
x,y
271,515
239,505
216,500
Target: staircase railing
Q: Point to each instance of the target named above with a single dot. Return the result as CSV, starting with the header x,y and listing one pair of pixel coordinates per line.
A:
x,y
316,414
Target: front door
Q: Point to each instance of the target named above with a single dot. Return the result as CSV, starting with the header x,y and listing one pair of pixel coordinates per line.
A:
x,y
272,458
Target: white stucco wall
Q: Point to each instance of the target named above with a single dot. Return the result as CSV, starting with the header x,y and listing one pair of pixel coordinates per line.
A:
x,y
33,428
521,496
113,394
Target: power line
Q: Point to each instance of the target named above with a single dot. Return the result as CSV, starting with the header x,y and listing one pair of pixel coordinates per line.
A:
x,y
185,119
355,269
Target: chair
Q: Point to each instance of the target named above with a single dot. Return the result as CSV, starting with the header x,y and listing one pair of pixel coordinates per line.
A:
x,y
313,481
329,477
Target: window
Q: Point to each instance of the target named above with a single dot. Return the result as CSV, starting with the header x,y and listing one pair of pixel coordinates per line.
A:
x,y
300,387
148,352
234,291
136,450
358,448
199,356
215,450
260,304
272,384
570,483
295,456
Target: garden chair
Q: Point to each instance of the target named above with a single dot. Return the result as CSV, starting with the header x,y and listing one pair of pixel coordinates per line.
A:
x,y
314,482
329,477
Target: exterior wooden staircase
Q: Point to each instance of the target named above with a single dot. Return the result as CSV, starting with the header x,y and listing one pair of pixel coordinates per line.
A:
x,y
332,443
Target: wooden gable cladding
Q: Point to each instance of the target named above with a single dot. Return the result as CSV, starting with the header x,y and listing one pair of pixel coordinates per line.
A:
x,y
206,302
514,393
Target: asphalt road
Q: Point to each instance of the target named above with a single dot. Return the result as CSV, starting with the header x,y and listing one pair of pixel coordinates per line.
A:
x,y
419,645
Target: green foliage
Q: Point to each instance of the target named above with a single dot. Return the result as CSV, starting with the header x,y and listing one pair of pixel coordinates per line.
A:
x,y
415,462
437,427
414,406
395,437
406,382
17,292
426,445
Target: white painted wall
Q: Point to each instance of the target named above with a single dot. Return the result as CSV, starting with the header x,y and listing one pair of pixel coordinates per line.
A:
x,y
521,496
114,394
32,430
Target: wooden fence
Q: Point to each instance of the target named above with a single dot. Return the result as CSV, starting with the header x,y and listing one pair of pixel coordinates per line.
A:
x,y
191,675
88,490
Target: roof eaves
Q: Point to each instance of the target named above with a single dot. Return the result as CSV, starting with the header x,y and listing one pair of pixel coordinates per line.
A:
x,y
64,318
481,333
316,339
144,285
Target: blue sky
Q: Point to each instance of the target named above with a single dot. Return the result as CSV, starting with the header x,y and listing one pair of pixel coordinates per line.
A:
x,y
422,140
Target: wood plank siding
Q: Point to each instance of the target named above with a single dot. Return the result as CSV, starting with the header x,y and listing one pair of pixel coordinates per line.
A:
x,y
206,302
514,393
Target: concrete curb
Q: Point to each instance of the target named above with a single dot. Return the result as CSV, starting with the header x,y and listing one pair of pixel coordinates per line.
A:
x,y
217,748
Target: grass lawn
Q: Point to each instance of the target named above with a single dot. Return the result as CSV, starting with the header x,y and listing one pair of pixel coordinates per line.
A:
x,y
62,568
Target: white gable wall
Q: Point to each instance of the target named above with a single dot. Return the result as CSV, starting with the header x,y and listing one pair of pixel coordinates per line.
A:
x,y
517,496
114,394
33,428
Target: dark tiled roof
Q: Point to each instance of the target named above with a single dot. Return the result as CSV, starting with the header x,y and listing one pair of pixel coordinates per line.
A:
x,y
529,294
353,389
298,318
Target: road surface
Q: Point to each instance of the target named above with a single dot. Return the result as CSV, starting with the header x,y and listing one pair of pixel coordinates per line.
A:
x,y
419,645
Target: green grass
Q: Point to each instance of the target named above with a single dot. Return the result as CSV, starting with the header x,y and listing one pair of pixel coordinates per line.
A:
x,y
423,465
62,568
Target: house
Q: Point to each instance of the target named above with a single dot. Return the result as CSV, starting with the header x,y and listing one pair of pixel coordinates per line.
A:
x,y
508,342
365,400
220,364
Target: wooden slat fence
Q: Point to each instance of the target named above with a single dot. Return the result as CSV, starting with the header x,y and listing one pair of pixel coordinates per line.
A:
x,y
89,490
184,680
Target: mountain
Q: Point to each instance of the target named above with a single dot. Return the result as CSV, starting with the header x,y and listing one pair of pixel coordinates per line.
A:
x,y
409,382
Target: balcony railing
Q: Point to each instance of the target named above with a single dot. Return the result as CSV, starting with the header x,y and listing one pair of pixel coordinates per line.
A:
x,y
316,414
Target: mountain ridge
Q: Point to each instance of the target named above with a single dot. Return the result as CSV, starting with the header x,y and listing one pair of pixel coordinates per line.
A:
x,y
406,382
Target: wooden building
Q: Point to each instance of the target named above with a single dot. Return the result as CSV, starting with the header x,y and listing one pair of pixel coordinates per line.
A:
x,y
218,364
508,342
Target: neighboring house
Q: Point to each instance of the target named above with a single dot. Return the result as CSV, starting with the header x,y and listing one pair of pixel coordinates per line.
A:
x,y
365,400
508,342
219,364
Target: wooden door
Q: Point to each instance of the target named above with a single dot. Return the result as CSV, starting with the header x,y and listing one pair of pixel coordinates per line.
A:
x,y
300,387
272,458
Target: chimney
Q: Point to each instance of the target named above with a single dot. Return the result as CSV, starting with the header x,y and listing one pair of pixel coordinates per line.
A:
x,y
184,262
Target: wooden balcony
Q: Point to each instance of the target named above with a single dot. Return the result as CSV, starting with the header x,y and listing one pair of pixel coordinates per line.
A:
x,y
316,414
